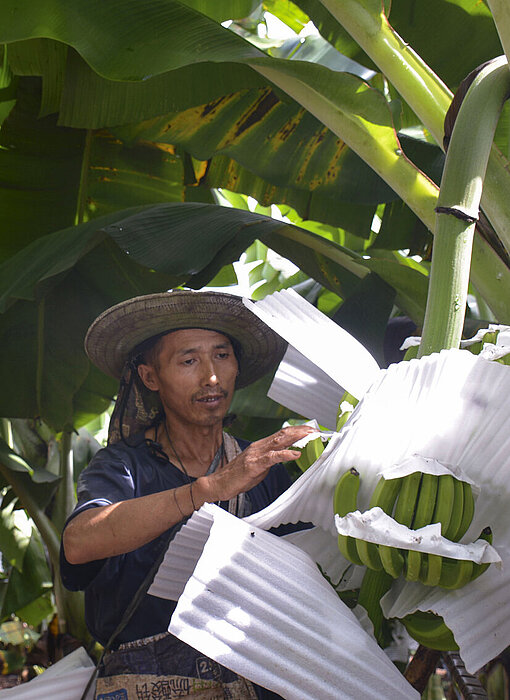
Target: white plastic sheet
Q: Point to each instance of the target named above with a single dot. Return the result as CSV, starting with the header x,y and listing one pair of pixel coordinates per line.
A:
x,y
305,389
259,605
451,407
65,680
321,340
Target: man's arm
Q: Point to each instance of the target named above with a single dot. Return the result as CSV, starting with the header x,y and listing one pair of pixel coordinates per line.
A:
x,y
122,527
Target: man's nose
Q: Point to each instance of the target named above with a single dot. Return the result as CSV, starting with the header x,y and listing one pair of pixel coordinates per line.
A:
x,y
209,375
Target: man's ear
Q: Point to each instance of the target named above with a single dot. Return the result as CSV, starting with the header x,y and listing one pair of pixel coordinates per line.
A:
x,y
148,376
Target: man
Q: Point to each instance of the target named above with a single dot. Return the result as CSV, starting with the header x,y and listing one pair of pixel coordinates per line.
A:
x,y
179,357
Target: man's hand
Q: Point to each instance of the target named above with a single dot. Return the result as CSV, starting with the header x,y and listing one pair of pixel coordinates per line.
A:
x,y
251,466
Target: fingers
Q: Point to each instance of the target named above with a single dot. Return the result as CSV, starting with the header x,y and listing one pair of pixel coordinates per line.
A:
x,y
288,436
283,456
275,447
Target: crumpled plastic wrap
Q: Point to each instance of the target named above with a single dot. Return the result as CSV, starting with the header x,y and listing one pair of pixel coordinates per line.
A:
x,y
375,525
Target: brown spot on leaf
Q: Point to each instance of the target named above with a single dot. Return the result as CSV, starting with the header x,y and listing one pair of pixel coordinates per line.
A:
x,y
262,106
210,106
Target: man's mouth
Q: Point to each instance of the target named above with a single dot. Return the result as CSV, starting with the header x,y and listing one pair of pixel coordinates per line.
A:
x,y
211,398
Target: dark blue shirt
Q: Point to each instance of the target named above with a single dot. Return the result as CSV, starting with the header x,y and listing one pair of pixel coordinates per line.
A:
x,y
118,473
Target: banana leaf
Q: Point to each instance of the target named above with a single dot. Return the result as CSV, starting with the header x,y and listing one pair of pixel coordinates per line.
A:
x,y
54,288
24,588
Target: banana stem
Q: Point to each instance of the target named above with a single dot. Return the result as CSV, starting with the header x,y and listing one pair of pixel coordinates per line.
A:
x,y
458,206
429,98
65,498
500,10
414,79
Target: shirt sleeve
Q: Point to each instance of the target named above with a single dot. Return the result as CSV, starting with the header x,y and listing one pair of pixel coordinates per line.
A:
x,y
108,479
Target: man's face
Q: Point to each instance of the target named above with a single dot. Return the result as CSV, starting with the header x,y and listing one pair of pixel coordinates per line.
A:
x,y
195,374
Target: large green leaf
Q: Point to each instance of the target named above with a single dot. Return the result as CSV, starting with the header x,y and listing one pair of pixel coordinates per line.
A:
x,y
25,588
15,533
124,39
50,175
224,10
91,101
74,274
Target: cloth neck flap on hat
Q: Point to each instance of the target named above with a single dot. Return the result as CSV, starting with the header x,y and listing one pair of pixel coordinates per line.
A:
x,y
136,407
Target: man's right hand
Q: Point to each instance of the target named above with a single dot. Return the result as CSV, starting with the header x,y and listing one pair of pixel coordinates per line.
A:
x,y
249,468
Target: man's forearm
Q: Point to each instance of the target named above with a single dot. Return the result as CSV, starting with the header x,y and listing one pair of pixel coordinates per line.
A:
x,y
122,527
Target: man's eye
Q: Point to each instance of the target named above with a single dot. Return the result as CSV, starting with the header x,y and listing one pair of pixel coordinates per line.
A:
x,y
223,355
189,361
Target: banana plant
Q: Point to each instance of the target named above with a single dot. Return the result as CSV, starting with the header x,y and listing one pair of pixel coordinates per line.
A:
x,y
133,116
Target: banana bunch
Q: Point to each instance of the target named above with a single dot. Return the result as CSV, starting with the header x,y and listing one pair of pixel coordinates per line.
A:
x,y
415,500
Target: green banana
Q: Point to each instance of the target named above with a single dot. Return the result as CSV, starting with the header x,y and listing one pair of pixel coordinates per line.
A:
x,y
368,553
430,573
373,586
348,549
425,504
310,453
478,569
385,494
426,501
406,504
457,511
455,573
444,502
468,512
345,501
392,560
345,498
430,630
413,561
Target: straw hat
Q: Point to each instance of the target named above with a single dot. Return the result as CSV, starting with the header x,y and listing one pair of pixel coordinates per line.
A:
x,y
114,334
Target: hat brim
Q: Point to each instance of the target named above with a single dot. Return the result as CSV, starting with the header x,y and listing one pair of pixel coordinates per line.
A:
x,y
114,334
